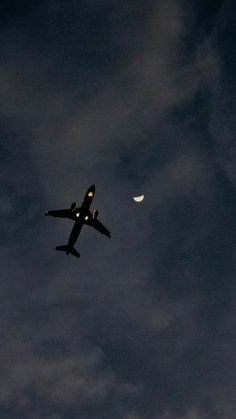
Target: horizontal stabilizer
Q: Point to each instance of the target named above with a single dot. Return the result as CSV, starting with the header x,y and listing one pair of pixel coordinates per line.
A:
x,y
63,248
68,250
74,252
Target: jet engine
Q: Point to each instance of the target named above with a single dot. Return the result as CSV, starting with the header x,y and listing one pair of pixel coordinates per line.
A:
x,y
73,205
95,214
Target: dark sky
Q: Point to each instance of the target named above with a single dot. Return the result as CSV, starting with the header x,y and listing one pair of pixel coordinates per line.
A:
x,y
136,97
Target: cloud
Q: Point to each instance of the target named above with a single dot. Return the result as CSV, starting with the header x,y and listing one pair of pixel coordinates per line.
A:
x,y
142,326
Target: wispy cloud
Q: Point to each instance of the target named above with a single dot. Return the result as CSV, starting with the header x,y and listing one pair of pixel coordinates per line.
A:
x,y
141,327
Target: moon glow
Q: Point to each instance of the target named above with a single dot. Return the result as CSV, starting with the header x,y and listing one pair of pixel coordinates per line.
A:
x,y
138,198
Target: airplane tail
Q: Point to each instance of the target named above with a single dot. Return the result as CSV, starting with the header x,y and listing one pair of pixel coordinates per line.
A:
x,y
68,250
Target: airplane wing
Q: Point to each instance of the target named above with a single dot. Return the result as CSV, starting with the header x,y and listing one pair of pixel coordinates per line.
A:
x,y
66,213
93,222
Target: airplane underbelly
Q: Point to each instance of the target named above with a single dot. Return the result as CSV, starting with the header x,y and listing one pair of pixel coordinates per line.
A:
x,y
75,232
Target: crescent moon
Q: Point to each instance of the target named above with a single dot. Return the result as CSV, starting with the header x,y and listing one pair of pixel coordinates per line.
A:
x,y
138,198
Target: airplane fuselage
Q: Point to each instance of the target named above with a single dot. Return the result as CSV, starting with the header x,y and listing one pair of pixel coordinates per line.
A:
x,y
80,216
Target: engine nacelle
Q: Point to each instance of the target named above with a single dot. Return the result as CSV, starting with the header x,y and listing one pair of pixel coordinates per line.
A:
x,y
95,214
73,205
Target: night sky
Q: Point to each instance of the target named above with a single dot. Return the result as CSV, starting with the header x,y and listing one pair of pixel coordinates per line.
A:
x,y
136,97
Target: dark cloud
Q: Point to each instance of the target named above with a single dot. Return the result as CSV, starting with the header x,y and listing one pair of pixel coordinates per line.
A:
x,y
136,99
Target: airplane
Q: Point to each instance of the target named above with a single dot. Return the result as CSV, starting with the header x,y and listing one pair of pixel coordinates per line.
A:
x,y
81,215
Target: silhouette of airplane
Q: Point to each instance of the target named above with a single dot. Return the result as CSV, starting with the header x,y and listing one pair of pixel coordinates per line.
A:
x,y
81,215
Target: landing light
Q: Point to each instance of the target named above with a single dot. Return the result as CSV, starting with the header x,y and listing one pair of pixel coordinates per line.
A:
x,y
86,218
77,214
90,193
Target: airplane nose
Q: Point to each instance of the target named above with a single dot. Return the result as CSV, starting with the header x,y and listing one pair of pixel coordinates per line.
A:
x,y
91,191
